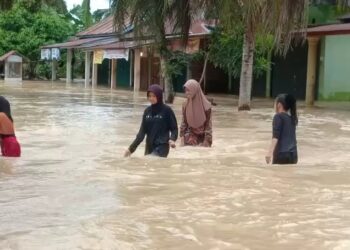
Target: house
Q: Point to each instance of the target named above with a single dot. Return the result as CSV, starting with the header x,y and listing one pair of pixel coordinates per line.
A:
x,y
318,69
119,60
11,64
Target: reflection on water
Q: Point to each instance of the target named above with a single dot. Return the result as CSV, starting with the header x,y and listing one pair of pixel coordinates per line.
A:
x,y
73,190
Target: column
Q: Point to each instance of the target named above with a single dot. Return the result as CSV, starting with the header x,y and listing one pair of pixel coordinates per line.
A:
x,y
114,74
54,70
131,69
94,75
69,66
137,68
311,70
87,68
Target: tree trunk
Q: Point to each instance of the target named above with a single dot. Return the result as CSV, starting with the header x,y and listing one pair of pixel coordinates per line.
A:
x,y
204,72
168,86
245,85
230,82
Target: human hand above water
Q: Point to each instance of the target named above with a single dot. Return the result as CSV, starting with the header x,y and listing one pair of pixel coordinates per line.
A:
x,y
127,153
172,144
268,158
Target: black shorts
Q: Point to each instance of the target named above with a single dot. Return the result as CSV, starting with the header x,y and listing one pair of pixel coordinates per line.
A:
x,y
285,158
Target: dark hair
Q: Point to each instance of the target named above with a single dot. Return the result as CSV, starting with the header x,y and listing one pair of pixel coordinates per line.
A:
x,y
289,103
5,107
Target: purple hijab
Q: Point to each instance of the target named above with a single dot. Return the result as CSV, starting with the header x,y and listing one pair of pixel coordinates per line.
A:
x,y
157,91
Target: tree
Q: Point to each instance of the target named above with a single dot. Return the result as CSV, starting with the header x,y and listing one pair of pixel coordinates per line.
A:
x,y
86,15
100,14
275,17
26,32
225,51
150,19
82,18
6,4
35,5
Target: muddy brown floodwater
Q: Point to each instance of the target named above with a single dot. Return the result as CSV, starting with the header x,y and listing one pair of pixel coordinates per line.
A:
x,y
72,189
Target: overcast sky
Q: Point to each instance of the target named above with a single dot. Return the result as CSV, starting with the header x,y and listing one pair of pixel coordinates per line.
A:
x,y
95,4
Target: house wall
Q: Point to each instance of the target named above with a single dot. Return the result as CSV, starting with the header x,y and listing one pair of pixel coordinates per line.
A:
x,y
123,73
334,70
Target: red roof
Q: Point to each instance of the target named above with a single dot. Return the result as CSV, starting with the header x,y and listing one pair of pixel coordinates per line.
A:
x,y
106,27
72,44
8,54
122,45
103,36
332,29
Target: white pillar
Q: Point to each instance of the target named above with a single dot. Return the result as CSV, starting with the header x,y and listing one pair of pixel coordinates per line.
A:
x,y
6,69
131,73
137,70
94,75
114,74
21,71
311,70
87,68
69,66
54,70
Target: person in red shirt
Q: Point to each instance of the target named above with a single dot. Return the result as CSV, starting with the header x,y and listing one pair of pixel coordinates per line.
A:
x,y
9,144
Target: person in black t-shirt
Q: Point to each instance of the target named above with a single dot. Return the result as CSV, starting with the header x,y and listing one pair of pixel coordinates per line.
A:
x,y
283,149
159,125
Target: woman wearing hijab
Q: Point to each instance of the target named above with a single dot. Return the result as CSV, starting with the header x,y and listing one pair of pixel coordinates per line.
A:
x,y
9,144
196,126
158,124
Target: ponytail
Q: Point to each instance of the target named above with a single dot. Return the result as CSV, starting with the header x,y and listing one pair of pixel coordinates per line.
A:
x,y
292,105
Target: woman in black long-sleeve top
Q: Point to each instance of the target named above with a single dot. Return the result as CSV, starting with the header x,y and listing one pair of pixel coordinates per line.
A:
x,y
159,125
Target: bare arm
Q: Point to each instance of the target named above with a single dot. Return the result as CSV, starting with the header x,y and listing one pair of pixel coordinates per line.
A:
x,y
139,138
269,155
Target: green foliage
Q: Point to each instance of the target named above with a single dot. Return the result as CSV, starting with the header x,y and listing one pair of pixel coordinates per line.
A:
x,y
35,5
81,17
100,14
26,31
43,70
6,4
326,13
177,60
75,15
225,51
86,13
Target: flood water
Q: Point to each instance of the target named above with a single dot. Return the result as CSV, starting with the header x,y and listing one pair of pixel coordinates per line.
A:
x,y
72,189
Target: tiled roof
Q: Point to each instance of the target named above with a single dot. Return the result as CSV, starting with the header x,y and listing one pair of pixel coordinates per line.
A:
x,y
106,27
102,36
123,45
72,44
8,54
103,27
332,29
